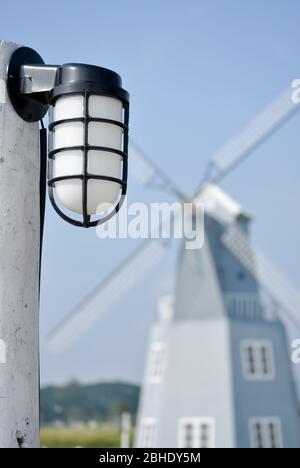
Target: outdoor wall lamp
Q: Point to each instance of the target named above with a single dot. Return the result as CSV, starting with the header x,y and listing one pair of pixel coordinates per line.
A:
x,y
88,132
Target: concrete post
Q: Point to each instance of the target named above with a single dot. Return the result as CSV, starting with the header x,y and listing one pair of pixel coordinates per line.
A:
x,y
19,272
125,430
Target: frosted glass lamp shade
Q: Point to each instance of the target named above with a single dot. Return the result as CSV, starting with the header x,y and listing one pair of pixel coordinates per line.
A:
x,y
88,142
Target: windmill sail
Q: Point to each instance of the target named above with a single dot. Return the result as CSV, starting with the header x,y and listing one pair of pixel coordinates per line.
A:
x,y
142,170
104,296
252,136
148,174
268,275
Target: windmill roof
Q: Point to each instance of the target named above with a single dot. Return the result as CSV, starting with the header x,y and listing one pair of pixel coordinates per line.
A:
x,y
221,205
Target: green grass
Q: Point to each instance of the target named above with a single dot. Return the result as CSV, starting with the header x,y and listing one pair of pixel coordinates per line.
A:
x,y
85,437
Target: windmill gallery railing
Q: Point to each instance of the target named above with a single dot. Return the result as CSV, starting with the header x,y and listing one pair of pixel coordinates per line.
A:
x,y
248,306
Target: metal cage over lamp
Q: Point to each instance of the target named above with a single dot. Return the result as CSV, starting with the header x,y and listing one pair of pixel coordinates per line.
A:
x,y
88,133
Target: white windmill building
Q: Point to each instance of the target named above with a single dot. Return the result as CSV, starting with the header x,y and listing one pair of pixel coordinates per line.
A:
x,y
218,370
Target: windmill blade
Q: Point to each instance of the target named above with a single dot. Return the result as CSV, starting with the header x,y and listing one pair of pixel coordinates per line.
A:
x,y
148,174
263,269
251,137
104,296
142,170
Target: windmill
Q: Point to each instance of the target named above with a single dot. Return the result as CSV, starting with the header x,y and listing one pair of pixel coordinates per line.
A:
x,y
195,393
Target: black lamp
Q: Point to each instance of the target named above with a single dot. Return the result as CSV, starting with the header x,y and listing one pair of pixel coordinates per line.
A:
x,y
88,132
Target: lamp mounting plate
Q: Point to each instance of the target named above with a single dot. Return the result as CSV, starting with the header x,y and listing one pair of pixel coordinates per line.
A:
x,y
26,106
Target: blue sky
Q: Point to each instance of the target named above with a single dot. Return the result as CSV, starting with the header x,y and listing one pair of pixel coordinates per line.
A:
x,y
197,72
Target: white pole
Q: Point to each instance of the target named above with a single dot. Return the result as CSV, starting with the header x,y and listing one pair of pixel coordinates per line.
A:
x,y
125,430
19,272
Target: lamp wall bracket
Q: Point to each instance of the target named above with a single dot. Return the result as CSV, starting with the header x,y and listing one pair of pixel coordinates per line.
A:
x,y
26,66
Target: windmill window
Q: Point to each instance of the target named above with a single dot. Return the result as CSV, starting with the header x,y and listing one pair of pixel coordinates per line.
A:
x,y
241,275
156,362
148,438
196,433
189,436
258,360
265,433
